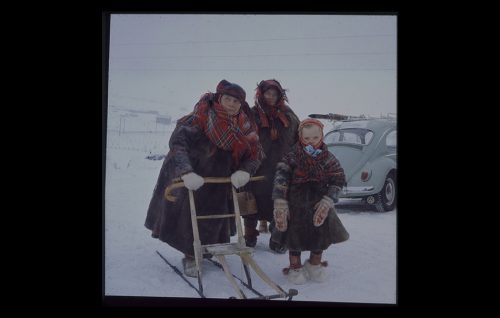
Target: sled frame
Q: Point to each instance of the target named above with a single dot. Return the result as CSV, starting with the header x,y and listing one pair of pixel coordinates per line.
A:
x,y
237,248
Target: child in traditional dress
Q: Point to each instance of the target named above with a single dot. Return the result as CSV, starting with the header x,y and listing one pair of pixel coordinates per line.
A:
x,y
306,186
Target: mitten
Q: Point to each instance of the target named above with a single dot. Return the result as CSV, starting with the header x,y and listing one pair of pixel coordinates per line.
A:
x,y
192,181
281,214
240,178
321,210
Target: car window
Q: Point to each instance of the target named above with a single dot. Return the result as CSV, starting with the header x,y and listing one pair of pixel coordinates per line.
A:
x,y
349,135
391,140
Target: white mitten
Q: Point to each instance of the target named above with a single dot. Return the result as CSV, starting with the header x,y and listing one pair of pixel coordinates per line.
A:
x,y
322,208
240,178
192,181
281,214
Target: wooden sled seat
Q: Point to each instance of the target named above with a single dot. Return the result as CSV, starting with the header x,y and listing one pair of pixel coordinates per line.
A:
x,y
227,249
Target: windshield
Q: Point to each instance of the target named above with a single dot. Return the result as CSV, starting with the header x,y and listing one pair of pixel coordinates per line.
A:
x,y
358,136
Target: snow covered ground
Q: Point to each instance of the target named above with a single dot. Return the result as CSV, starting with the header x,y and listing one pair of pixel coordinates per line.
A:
x,y
361,270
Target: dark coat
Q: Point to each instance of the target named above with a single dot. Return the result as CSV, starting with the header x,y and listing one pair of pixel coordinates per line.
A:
x,y
301,234
192,151
274,151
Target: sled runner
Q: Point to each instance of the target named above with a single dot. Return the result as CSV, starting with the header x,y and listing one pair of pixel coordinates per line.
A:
x,y
221,250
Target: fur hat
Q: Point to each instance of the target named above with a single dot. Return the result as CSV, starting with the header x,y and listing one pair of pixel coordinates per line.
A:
x,y
227,88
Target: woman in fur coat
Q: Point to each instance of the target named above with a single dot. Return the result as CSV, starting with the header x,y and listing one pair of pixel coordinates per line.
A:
x,y
218,139
277,126
306,185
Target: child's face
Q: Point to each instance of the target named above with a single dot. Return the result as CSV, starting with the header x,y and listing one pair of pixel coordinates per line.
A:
x,y
311,135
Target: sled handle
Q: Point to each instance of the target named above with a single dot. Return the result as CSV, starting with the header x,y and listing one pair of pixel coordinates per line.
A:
x,y
178,183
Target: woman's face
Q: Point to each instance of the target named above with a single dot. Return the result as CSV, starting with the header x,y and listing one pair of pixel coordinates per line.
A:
x,y
271,96
230,104
311,135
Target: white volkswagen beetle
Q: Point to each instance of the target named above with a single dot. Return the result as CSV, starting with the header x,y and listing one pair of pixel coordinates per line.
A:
x,y
367,151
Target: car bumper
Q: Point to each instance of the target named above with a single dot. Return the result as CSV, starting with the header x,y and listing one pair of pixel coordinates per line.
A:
x,y
352,192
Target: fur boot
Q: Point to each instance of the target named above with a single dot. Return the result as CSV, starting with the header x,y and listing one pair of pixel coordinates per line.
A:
x,y
297,276
295,273
316,273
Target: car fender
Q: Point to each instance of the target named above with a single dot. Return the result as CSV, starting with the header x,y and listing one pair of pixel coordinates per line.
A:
x,y
380,168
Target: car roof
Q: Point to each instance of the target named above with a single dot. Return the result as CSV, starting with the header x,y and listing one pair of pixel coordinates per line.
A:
x,y
370,123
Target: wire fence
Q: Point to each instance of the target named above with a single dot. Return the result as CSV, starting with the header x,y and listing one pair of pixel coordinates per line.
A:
x,y
148,142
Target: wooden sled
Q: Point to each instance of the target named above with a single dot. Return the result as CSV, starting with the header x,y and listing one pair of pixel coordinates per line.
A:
x,y
221,250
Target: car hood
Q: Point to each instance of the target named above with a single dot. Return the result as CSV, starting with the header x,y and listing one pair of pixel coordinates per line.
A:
x,y
349,156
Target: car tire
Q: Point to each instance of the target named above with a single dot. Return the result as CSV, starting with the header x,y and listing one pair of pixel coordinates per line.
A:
x,y
386,198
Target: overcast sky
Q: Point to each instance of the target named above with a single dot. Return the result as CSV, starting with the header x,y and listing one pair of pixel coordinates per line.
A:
x,y
329,63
